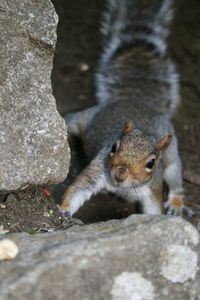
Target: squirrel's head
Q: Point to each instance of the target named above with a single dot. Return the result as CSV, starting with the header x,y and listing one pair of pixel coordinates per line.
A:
x,y
133,158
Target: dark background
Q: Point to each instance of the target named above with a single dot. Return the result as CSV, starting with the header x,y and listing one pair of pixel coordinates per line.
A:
x,y
79,43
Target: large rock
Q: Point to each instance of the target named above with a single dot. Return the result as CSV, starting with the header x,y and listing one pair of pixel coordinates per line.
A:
x,y
33,139
140,258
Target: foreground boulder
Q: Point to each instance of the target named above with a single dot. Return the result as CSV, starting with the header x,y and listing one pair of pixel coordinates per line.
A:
x,y
140,258
33,141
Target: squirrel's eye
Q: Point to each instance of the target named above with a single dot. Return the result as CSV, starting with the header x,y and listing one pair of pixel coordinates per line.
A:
x,y
150,164
114,148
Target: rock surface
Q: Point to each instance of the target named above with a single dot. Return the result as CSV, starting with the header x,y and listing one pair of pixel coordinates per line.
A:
x,y
33,141
140,258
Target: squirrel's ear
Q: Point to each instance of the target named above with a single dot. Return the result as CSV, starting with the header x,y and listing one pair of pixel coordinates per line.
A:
x,y
163,144
128,127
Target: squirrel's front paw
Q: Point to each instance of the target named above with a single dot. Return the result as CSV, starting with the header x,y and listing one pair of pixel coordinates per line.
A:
x,y
67,215
174,205
65,206
64,210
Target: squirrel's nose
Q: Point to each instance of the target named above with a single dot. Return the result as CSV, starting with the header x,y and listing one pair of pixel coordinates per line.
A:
x,y
120,174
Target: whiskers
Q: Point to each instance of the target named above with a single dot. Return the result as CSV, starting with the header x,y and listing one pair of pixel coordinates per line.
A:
x,y
140,190
136,191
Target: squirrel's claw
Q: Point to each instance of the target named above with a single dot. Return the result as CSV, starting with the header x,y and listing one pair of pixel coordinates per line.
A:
x,y
189,212
67,215
179,210
174,205
171,210
64,213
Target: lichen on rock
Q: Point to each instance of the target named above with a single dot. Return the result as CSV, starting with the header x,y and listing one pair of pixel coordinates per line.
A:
x,y
114,260
180,263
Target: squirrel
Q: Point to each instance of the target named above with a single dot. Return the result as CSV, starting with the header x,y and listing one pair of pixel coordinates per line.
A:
x,y
129,136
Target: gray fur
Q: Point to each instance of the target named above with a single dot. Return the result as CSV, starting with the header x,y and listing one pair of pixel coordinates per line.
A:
x,y
126,20
126,24
137,82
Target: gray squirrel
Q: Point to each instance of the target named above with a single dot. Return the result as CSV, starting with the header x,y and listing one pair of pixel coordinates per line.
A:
x,y
128,136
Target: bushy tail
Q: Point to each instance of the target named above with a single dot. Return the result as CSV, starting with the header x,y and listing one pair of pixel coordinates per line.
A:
x,y
126,21
143,23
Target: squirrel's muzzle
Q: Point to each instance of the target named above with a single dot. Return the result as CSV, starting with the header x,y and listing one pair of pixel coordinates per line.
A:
x,y
120,174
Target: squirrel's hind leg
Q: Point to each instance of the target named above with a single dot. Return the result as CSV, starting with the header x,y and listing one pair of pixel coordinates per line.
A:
x,y
173,177
78,121
89,182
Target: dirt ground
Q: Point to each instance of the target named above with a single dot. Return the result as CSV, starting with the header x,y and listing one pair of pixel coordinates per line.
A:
x,y
76,56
